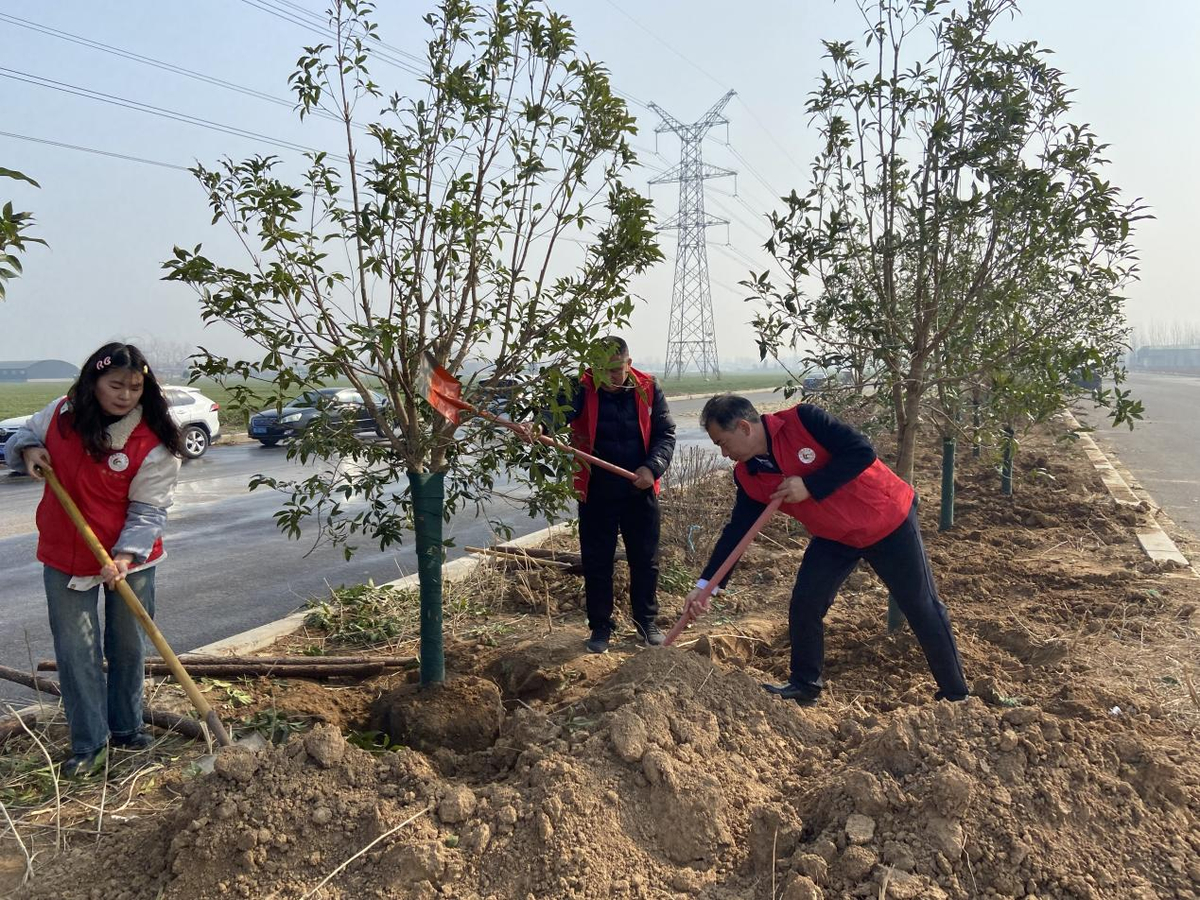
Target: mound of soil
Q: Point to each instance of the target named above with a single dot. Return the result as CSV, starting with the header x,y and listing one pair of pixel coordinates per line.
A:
x,y
670,773
675,777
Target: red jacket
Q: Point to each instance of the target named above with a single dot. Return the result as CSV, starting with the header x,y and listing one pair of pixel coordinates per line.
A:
x,y
859,513
99,488
583,426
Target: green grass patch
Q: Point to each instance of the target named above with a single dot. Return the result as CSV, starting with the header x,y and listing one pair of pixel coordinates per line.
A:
x,y
25,398
365,615
727,384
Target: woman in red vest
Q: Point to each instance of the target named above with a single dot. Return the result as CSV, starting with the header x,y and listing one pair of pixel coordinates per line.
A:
x,y
113,445
854,507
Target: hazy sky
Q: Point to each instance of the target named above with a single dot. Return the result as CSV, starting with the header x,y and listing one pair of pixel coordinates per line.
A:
x,y
110,222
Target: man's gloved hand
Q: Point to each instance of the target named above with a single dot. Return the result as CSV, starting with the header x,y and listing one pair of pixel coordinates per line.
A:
x,y
791,490
695,604
645,478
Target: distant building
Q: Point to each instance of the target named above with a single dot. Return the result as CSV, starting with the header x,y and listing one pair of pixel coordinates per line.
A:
x,y
37,370
1167,359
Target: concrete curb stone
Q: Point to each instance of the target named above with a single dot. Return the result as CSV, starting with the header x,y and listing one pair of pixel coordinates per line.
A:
x,y
1155,542
264,635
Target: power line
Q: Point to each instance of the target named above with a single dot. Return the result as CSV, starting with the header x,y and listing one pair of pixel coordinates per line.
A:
x,y
295,18
323,20
146,60
769,133
694,65
759,215
734,253
753,171
173,115
754,229
109,153
157,63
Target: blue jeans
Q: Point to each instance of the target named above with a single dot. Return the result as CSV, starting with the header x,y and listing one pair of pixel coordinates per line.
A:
x,y
95,708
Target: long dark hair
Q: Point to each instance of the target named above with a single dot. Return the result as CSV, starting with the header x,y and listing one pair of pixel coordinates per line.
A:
x,y
88,417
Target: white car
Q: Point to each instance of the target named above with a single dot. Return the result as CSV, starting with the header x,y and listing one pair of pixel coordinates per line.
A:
x,y
195,414
7,429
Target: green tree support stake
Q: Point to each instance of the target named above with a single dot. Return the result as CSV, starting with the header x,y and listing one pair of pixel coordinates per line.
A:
x,y
975,448
946,520
428,496
1006,467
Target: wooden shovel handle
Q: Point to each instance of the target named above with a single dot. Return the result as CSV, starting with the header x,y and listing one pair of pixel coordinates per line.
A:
x,y
135,606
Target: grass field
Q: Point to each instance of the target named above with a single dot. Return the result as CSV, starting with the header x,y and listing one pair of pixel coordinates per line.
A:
x,y
729,383
20,399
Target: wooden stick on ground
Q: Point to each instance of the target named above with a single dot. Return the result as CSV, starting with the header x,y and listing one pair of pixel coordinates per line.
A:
x,y
253,668
517,556
11,725
157,717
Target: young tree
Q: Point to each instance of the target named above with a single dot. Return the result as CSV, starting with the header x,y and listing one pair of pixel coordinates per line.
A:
x,y
14,233
451,238
949,181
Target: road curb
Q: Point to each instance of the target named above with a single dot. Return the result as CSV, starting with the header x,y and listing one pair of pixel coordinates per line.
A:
x,y
1155,542
264,635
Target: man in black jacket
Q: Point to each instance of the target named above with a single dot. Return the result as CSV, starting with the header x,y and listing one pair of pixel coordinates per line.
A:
x,y
621,416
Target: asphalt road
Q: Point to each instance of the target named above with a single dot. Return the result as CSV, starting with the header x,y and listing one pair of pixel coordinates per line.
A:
x,y
229,568
1163,451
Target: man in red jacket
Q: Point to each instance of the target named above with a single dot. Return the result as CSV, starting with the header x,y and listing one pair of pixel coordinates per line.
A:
x,y
620,415
854,507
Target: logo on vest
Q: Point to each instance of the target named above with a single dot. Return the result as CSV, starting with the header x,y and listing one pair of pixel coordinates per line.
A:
x,y
807,455
118,462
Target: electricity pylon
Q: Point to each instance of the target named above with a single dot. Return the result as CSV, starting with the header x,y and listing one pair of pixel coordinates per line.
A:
x,y
691,337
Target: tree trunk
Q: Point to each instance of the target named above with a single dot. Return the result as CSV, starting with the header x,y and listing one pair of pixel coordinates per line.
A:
x,y
428,493
906,434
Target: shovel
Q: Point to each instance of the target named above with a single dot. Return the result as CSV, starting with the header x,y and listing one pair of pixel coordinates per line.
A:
x,y
444,393
207,714
693,610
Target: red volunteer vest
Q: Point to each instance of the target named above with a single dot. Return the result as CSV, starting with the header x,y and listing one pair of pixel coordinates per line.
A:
x,y
583,426
864,510
100,488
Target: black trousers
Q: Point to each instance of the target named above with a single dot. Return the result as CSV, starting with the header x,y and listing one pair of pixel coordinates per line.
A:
x,y
635,514
900,561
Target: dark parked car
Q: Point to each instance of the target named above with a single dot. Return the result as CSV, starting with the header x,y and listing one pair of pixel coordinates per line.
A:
x,y
498,398
337,404
814,384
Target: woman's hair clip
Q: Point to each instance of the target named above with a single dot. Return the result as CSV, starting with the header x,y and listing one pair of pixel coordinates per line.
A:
x,y
145,370
102,364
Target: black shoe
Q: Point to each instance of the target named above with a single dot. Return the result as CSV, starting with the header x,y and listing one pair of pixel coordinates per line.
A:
x,y
953,698
598,642
139,740
82,763
651,634
805,696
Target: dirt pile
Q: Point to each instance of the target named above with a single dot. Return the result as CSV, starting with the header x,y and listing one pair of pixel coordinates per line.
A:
x,y
1071,775
676,778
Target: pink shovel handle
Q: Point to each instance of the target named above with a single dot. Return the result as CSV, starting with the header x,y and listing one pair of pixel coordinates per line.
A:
x,y
692,612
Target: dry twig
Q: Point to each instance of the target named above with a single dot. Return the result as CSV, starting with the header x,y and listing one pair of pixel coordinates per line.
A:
x,y
387,833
